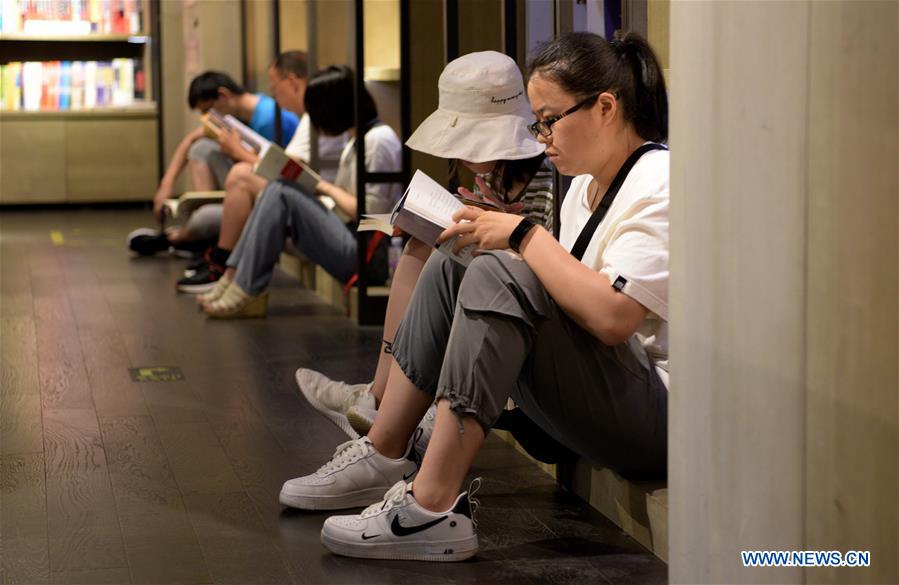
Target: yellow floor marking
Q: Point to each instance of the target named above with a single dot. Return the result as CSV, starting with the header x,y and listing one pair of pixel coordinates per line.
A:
x,y
56,238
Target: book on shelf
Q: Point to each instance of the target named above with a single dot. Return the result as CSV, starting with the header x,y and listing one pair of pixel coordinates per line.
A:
x,y
275,164
424,211
70,17
215,123
71,85
178,210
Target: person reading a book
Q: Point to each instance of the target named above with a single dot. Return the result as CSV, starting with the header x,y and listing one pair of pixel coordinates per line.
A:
x,y
288,78
575,330
208,160
490,139
319,218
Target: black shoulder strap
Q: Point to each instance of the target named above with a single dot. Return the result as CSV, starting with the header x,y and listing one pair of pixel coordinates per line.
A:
x,y
580,245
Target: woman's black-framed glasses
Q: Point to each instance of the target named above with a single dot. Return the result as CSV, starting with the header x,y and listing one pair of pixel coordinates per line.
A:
x,y
545,127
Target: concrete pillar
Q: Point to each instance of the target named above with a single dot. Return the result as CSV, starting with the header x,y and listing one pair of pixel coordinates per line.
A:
x,y
784,262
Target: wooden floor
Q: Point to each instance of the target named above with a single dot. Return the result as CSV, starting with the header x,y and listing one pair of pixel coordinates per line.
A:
x,y
108,480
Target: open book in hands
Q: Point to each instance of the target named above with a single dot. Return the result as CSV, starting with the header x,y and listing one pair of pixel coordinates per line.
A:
x,y
214,124
178,210
424,211
275,164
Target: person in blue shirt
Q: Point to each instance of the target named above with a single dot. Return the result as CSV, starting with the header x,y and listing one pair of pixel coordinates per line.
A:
x,y
209,160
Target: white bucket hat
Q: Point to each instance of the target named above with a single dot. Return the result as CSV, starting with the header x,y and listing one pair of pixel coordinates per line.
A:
x,y
482,115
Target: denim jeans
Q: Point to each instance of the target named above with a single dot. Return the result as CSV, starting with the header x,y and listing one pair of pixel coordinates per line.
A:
x,y
285,210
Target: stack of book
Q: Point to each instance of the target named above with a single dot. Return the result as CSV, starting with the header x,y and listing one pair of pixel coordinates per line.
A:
x,y
71,85
70,17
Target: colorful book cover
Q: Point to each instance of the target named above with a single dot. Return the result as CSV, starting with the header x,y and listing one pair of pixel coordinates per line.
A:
x,y
77,85
90,84
31,85
140,80
65,85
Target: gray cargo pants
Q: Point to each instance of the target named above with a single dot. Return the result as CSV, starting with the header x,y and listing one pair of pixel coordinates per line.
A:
x,y
478,336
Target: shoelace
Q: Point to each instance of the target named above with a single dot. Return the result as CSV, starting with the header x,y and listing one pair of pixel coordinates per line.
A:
x,y
394,496
345,454
473,488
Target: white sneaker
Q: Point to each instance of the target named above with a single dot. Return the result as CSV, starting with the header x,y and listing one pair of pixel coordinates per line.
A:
x,y
355,475
362,418
333,398
427,428
399,528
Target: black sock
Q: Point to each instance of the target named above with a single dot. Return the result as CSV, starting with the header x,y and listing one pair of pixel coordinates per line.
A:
x,y
219,256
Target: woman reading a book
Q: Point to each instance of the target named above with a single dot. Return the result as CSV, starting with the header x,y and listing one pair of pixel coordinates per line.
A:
x,y
318,220
480,125
575,330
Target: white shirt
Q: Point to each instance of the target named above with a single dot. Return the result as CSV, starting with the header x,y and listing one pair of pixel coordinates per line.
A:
x,y
631,242
383,154
329,148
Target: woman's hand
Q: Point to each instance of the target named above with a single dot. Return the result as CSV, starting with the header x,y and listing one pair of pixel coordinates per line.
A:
x,y
487,230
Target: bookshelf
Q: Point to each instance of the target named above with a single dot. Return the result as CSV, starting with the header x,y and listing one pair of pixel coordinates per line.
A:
x,y
79,112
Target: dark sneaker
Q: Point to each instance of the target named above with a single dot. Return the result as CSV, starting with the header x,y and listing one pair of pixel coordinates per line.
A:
x,y
147,241
196,267
199,263
194,251
202,281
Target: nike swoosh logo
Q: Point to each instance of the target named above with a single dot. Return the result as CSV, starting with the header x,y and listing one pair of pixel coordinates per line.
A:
x,y
364,537
400,530
407,476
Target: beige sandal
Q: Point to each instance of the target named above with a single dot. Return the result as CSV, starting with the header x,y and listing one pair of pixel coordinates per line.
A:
x,y
216,293
237,304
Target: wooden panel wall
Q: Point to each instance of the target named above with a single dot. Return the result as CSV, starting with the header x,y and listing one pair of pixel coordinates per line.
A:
x,y
783,418
107,160
852,389
34,161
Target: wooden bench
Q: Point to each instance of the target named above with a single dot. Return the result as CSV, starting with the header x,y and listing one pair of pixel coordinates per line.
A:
x,y
329,289
639,508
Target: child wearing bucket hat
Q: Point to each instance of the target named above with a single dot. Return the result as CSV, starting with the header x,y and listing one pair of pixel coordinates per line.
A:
x,y
481,124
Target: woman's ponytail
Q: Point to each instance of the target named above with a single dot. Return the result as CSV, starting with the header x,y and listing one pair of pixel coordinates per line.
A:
x,y
650,107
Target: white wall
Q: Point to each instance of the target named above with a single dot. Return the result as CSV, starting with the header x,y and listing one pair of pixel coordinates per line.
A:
x,y
783,418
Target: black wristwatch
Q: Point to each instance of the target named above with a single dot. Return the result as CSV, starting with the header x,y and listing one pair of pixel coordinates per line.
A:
x,y
520,231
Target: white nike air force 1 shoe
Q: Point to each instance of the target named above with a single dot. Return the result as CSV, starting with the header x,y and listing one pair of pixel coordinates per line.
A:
x,y
399,528
355,475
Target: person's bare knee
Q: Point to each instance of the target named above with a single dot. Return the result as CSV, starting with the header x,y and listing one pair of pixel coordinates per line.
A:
x,y
239,177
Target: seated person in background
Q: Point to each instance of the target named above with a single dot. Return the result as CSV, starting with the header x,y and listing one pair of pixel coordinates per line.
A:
x,y
321,224
288,77
490,138
575,330
209,160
